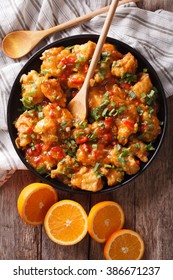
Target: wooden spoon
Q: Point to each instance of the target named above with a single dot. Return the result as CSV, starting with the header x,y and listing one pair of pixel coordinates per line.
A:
x,y
18,43
78,105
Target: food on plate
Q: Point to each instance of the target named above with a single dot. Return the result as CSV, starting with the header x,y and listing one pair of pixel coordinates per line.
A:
x,y
120,129
124,244
34,201
66,222
105,218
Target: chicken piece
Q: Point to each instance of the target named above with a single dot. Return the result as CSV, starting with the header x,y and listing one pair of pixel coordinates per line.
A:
x,y
90,154
31,89
150,126
127,122
86,179
47,129
51,58
95,97
61,115
117,92
110,52
76,80
138,148
142,87
65,169
122,158
57,123
114,176
52,90
85,51
128,64
25,125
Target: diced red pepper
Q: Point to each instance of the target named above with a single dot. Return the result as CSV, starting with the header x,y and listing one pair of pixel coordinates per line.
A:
x,y
58,151
96,153
107,137
68,60
82,139
108,122
35,150
51,114
129,123
126,86
37,159
29,130
63,77
76,80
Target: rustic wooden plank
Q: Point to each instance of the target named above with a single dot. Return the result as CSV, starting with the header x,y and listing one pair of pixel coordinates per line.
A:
x,y
156,5
153,200
17,240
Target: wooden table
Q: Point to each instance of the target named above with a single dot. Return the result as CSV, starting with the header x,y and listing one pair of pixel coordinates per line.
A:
x,y
147,203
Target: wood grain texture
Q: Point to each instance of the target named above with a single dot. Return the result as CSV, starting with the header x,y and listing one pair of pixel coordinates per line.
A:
x,y
147,203
154,5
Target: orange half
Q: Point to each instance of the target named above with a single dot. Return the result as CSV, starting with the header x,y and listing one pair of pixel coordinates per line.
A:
x,y
105,218
66,222
124,244
34,202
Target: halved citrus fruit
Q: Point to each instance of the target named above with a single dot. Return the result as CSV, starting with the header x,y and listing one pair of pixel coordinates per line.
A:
x,y
66,222
105,218
124,244
34,202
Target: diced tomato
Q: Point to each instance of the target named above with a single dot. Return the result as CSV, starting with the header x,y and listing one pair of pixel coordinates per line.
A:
x,y
126,86
138,162
82,139
129,123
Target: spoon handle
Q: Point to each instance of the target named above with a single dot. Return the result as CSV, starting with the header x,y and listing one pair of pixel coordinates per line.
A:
x,y
100,42
82,19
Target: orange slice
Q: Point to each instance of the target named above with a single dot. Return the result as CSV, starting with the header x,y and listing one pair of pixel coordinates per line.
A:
x,y
66,222
34,202
124,244
105,218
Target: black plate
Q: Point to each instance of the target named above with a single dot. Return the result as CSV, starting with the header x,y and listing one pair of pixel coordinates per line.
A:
x,y
14,105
